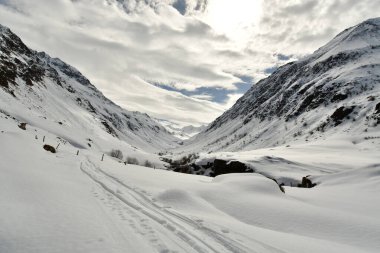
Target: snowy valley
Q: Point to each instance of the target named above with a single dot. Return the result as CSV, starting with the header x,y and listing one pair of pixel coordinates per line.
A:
x,y
293,166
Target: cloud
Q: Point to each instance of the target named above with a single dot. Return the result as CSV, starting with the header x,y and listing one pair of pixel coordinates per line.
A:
x,y
300,27
184,7
170,58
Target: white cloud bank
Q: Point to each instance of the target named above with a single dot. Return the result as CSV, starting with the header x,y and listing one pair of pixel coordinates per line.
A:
x,y
124,45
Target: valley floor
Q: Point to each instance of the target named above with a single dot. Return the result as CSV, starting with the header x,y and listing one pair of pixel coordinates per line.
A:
x,y
68,203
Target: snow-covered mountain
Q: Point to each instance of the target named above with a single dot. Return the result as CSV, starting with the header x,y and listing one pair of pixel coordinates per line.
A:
x,y
47,93
334,91
179,131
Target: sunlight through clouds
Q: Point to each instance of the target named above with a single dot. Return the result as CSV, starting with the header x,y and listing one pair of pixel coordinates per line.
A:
x,y
234,18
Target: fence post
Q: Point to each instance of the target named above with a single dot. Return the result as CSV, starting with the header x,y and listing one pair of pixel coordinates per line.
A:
x,y
102,157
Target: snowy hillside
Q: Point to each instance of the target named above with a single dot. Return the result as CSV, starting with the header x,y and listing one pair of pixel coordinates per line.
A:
x,y
68,203
47,93
333,91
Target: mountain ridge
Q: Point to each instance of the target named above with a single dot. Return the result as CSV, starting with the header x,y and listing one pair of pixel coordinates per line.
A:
x,y
47,85
343,72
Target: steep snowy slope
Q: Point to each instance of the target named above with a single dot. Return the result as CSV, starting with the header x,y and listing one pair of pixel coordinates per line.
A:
x,y
47,93
335,90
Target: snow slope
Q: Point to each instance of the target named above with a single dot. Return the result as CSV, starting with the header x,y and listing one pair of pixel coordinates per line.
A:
x,y
68,203
333,91
47,93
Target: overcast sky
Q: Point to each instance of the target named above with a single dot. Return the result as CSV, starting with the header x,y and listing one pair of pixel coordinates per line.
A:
x,y
181,60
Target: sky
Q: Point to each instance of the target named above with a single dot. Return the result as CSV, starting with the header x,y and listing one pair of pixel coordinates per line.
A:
x,y
185,61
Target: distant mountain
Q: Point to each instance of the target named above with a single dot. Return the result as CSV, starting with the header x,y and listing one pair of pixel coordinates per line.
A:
x,y
179,131
334,91
53,95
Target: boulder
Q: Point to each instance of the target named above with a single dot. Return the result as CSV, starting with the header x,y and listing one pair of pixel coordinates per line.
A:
x,y
226,167
22,126
49,148
306,183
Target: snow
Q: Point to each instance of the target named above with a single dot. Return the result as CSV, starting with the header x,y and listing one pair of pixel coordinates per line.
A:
x,y
67,203
79,202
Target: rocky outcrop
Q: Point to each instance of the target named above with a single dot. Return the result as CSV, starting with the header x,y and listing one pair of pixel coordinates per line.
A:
x,y
221,167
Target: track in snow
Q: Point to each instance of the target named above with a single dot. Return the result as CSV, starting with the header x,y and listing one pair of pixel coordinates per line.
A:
x,y
160,224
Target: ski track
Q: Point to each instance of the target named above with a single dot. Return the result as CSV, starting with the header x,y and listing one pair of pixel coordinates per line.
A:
x,y
139,207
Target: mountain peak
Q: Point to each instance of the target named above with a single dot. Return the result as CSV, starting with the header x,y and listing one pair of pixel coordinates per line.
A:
x,y
362,35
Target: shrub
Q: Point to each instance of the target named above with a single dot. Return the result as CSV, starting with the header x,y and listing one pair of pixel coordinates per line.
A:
x,y
148,164
132,160
116,153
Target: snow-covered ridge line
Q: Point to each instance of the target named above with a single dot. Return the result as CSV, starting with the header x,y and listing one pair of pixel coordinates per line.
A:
x,y
332,92
56,91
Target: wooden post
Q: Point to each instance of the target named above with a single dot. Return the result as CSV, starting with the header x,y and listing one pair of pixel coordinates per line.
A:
x,y
78,152
102,157
43,140
36,137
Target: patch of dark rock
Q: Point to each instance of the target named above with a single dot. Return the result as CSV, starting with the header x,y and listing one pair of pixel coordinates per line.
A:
x,y
306,183
109,129
33,74
8,74
186,169
281,186
371,98
226,167
341,113
70,89
90,107
339,97
49,148
22,126
377,109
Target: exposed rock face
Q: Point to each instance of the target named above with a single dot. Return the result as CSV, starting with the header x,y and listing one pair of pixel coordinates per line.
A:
x,y
341,113
306,183
221,167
